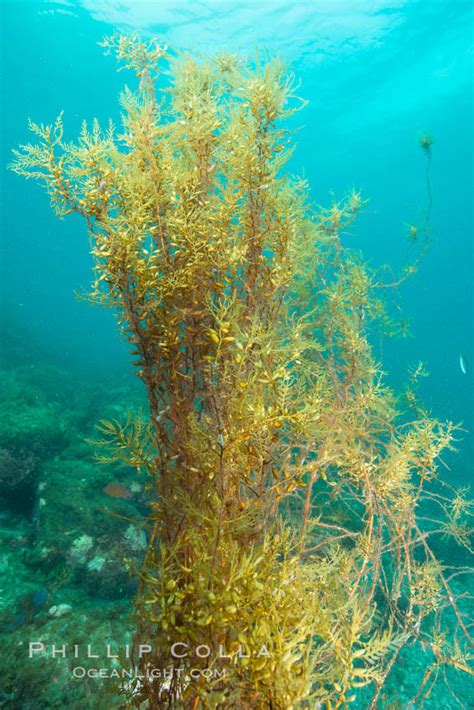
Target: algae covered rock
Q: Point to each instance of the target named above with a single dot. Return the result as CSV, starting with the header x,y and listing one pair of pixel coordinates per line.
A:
x,y
32,429
76,511
19,472
83,530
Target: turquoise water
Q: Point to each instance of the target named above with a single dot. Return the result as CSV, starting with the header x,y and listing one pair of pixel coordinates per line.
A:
x,y
376,75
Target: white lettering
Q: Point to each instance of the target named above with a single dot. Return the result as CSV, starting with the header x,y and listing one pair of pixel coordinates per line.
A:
x,y
205,653
174,651
109,652
144,648
90,654
61,651
35,647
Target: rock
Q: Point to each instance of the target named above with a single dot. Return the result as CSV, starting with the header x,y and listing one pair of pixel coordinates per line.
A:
x,y
96,564
81,548
60,610
136,538
18,479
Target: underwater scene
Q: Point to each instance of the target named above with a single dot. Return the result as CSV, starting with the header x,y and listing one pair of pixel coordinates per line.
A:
x,y
237,307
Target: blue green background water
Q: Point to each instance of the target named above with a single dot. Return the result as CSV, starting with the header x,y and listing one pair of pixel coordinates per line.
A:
x,y
377,74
